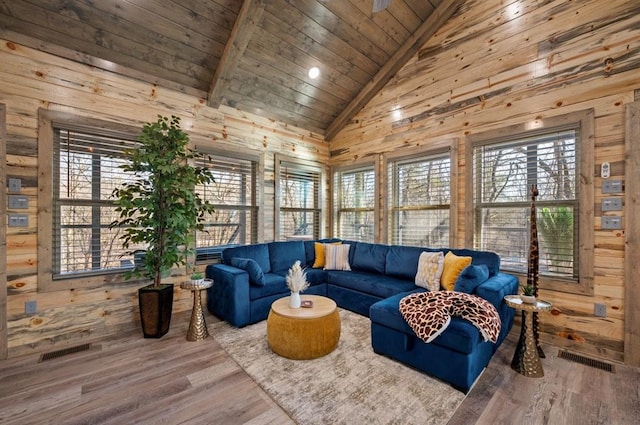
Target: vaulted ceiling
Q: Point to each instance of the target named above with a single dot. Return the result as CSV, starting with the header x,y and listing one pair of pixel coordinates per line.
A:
x,y
253,55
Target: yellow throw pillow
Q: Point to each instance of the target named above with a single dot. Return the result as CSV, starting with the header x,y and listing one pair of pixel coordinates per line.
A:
x,y
319,261
453,265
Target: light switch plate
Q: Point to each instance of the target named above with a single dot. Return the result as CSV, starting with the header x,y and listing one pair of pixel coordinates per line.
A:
x,y
15,185
611,204
18,202
612,222
18,220
612,186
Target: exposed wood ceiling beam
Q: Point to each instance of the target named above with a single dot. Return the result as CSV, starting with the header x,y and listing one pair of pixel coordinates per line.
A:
x,y
246,22
440,15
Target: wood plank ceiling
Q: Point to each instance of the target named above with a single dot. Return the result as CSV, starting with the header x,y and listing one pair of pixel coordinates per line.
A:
x,y
253,55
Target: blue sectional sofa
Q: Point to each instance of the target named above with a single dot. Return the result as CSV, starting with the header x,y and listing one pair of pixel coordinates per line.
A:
x,y
380,276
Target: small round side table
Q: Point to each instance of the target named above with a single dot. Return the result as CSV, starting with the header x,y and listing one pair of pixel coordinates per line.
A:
x,y
197,326
526,360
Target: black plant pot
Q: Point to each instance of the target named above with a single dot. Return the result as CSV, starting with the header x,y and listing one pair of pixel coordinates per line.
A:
x,y
156,305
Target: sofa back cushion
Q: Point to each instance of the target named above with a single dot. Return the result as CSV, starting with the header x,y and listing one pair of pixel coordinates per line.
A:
x,y
369,257
402,261
310,252
490,259
258,252
284,254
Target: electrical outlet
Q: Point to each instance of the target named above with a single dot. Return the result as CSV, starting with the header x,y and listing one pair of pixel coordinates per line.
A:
x,y
30,307
600,310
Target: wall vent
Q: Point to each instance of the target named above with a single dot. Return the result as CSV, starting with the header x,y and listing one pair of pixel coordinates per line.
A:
x,y
587,361
65,351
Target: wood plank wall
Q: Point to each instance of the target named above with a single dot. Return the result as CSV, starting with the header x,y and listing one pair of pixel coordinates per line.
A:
x,y
496,64
30,80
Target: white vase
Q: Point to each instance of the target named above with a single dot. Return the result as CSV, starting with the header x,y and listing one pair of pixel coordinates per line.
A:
x,y
528,299
294,300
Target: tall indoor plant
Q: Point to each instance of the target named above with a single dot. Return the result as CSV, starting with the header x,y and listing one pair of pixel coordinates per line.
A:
x,y
160,209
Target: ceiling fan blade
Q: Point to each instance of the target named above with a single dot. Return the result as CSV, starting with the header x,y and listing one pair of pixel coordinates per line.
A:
x,y
379,5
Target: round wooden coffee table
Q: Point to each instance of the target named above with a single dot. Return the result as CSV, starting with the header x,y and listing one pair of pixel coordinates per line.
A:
x,y
303,333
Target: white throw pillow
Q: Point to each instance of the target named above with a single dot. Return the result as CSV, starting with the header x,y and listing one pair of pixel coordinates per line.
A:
x,y
337,257
430,266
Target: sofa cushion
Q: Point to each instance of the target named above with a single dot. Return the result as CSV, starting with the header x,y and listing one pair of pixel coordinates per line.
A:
x,y
315,276
273,284
471,277
369,257
430,266
460,335
256,276
337,257
490,259
402,261
369,283
284,254
259,253
453,265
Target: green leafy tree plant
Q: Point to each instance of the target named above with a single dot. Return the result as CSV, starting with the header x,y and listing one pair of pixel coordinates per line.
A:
x,y
159,208
556,228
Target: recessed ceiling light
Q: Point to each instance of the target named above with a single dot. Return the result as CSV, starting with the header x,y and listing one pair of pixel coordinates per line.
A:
x,y
314,73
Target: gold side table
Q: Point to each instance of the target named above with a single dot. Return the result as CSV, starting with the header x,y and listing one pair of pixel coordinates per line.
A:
x,y
197,326
526,360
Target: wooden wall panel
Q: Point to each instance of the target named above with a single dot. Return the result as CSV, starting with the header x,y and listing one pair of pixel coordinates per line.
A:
x,y
30,80
3,236
495,64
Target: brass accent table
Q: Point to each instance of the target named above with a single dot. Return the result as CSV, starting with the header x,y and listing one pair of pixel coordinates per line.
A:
x,y
197,326
303,333
526,360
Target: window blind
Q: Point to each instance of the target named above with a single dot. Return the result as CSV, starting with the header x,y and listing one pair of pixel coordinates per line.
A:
x,y
504,172
85,172
233,194
419,199
355,197
299,187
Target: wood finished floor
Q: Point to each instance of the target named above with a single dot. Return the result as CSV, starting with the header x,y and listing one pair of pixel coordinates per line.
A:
x,y
117,382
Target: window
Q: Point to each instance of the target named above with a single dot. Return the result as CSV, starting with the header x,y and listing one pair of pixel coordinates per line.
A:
x,y
235,198
419,190
78,161
298,199
354,200
504,170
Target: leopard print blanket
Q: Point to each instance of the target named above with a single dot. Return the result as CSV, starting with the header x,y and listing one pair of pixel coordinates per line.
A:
x,y
429,313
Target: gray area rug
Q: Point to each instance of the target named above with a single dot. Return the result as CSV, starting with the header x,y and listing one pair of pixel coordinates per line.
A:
x,y
352,385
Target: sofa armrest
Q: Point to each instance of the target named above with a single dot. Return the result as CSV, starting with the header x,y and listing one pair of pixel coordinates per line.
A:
x,y
494,290
228,298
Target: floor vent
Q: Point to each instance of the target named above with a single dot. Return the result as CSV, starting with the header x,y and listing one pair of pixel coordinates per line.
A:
x,y
64,352
587,361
